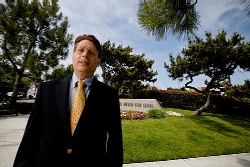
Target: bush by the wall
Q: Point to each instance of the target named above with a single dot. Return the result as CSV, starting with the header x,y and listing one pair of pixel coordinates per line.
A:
x,y
23,108
156,113
193,101
126,96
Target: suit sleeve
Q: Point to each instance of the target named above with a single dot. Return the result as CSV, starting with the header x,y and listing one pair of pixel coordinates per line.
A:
x,y
28,148
115,143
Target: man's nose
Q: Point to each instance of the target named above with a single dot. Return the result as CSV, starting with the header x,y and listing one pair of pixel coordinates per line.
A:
x,y
85,53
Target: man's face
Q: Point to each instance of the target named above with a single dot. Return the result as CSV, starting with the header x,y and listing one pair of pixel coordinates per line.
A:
x,y
85,59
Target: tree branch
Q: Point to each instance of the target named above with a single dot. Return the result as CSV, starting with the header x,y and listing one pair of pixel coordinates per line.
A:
x,y
191,87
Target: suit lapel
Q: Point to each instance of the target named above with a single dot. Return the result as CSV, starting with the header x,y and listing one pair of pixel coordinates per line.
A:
x,y
93,91
62,99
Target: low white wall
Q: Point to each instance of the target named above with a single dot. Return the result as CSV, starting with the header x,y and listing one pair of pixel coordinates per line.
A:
x,y
143,105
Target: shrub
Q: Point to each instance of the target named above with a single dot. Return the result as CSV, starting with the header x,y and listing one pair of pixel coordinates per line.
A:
x,y
5,112
156,113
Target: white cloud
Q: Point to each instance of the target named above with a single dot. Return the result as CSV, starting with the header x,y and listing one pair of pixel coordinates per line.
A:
x,y
210,12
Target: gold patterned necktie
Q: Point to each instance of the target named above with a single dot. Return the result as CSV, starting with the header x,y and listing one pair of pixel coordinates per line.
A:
x,y
77,106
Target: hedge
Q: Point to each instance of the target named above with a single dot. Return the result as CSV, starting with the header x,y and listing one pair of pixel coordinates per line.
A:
x,y
192,101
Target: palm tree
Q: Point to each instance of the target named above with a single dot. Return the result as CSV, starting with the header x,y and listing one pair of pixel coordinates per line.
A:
x,y
246,6
176,17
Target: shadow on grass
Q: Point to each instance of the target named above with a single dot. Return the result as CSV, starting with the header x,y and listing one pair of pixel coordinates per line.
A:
x,y
219,123
243,122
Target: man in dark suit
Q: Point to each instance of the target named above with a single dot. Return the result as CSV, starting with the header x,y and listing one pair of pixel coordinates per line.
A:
x,y
97,139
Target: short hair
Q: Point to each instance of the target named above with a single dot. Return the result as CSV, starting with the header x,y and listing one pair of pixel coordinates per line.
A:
x,y
91,38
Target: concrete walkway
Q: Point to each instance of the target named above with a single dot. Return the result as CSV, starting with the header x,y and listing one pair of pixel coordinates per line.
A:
x,y
233,160
12,128
11,132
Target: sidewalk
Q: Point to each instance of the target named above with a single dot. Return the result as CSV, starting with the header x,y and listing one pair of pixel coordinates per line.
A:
x,y
233,160
12,127
11,131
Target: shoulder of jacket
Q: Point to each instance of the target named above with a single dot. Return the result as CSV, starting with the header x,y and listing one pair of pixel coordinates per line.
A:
x,y
103,85
57,81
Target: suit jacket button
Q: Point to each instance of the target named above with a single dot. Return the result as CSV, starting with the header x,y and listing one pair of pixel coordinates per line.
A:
x,y
69,151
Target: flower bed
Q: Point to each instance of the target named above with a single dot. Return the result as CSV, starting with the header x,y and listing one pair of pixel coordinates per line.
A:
x,y
132,115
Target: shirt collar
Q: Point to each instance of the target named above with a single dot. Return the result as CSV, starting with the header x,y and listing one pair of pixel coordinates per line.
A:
x,y
88,81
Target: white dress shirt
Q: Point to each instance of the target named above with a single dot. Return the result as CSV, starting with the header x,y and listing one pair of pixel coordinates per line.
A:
x,y
73,88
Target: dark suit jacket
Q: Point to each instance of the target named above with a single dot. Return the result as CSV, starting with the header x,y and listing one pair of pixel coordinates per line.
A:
x,y
97,140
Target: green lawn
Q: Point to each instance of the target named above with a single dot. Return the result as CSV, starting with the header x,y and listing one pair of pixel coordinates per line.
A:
x,y
184,137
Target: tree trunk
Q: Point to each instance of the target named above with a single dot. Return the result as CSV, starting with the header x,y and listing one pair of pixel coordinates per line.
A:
x,y
102,65
200,110
15,93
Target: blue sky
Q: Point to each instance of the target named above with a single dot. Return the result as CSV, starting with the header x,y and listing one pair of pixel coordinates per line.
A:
x,y
116,20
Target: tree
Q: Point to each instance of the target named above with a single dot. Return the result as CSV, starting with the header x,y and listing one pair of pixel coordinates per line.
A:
x,y
6,78
124,71
61,72
216,58
176,17
33,38
246,5
239,91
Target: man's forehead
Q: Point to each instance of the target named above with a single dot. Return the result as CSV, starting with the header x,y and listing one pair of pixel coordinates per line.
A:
x,y
81,45
85,43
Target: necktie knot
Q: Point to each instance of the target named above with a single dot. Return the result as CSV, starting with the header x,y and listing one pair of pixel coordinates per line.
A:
x,y
80,84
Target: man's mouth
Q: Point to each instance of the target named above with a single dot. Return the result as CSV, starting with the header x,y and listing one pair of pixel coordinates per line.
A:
x,y
84,62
